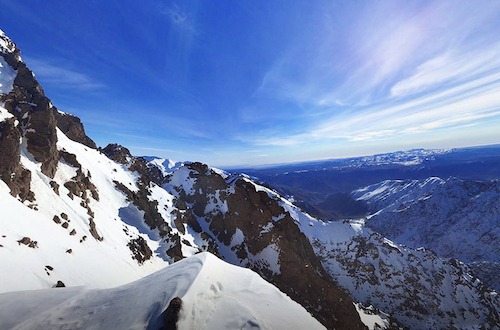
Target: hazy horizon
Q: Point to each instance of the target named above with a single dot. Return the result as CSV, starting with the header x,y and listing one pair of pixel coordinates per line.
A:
x,y
237,84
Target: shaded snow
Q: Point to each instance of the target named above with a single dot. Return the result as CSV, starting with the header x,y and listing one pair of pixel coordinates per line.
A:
x,y
212,299
7,75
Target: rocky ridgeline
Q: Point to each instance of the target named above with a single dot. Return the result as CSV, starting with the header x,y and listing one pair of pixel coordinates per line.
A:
x,y
34,122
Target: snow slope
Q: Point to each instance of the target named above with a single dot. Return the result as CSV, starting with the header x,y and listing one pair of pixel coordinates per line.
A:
x,y
90,261
215,295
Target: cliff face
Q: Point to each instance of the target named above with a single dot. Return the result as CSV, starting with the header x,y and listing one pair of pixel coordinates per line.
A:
x,y
32,125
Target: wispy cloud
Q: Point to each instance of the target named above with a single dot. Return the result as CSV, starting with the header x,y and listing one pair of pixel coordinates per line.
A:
x,y
359,62
461,105
407,73
62,77
450,67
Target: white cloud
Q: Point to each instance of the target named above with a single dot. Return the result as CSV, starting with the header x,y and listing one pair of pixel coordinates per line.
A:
x,y
450,67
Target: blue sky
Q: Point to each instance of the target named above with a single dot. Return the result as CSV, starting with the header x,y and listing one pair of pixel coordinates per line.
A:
x,y
256,82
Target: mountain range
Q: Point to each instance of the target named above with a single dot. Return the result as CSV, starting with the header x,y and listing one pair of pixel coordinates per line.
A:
x,y
141,234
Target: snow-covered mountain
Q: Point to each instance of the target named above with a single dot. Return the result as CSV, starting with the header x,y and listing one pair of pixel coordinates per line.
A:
x,y
215,295
76,215
455,218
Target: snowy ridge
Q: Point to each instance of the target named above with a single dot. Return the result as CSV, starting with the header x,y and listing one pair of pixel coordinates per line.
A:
x,y
211,299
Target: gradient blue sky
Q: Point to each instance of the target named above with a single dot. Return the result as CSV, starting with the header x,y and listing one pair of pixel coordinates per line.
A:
x,y
256,82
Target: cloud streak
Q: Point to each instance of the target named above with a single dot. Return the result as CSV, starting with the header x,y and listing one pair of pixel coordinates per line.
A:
x,y
62,77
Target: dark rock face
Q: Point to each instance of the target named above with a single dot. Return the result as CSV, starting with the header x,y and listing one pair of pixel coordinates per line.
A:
x,y
11,171
73,128
34,121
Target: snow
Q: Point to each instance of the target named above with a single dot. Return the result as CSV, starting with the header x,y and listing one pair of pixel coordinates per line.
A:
x,y
212,299
372,321
181,177
215,204
91,262
4,114
269,258
6,45
166,166
7,75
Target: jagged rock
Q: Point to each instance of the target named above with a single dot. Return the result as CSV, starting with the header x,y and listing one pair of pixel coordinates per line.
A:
x,y
17,178
29,105
117,153
80,183
93,230
73,128
27,241
140,250
151,216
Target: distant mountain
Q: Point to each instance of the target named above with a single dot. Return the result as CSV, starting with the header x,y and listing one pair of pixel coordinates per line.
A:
x,y
318,186
453,217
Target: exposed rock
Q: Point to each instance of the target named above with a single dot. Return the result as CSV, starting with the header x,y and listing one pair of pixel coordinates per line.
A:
x,y
73,128
151,216
28,242
117,153
17,178
140,250
93,230
59,284
56,219
55,186
69,251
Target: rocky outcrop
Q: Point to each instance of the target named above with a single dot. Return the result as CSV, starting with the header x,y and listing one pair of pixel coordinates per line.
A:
x,y
140,249
118,153
28,103
73,128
